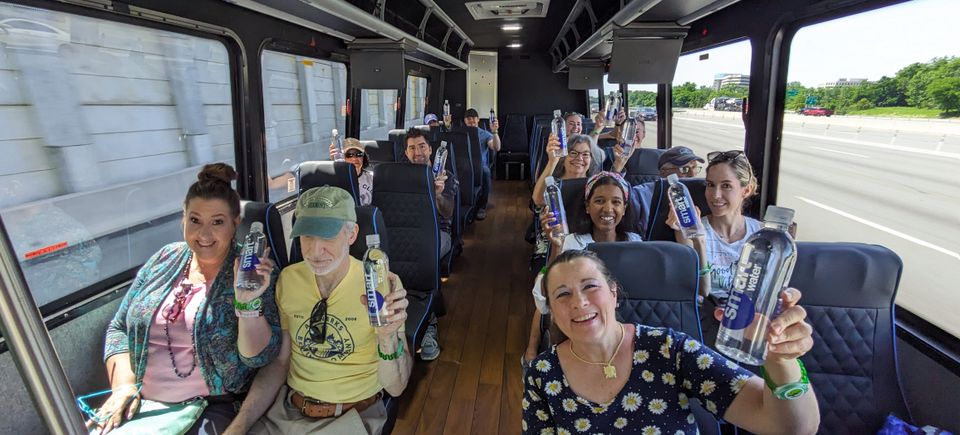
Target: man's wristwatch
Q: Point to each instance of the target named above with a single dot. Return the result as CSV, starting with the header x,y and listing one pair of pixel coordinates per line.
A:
x,y
789,391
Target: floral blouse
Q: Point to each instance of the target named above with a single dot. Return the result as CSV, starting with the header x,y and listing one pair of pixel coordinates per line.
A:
x,y
669,369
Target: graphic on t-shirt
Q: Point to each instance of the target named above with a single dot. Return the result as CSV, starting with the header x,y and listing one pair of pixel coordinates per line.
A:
x,y
724,266
336,346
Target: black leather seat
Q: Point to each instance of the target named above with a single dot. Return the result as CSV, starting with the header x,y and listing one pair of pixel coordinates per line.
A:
x,y
397,136
379,150
476,160
404,193
659,288
322,173
458,222
267,214
642,166
659,207
848,292
516,148
465,173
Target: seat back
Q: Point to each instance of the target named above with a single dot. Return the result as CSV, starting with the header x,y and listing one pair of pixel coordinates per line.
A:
x,y
476,151
404,194
659,283
606,143
459,144
657,228
399,143
326,173
848,292
515,139
642,166
379,150
267,214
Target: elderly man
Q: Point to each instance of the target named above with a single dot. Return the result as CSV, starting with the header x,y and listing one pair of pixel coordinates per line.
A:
x,y
678,160
333,365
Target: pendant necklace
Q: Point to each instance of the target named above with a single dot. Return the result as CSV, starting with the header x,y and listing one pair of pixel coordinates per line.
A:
x,y
609,370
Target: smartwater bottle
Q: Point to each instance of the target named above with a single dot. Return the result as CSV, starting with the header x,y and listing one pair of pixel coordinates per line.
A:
x,y
559,129
375,276
446,108
555,205
690,226
253,246
608,111
493,116
616,106
440,161
629,131
338,145
763,271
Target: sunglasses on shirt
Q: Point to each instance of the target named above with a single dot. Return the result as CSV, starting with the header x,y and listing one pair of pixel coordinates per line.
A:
x,y
318,322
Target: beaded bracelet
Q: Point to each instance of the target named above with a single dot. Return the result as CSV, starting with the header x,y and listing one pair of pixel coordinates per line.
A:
x,y
393,355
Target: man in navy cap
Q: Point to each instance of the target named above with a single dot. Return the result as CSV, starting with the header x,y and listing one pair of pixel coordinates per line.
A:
x,y
677,160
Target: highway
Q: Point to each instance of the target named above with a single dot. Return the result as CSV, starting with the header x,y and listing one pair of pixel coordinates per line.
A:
x,y
882,182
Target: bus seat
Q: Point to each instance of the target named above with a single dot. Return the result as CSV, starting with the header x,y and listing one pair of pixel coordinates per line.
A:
x,y
399,143
642,166
379,151
321,173
515,149
404,193
657,228
540,130
663,293
606,143
476,151
458,222
848,292
540,155
266,213
459,145
587,125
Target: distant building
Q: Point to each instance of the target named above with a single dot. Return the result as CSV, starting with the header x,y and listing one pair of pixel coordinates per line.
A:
x,y
843,82
728,79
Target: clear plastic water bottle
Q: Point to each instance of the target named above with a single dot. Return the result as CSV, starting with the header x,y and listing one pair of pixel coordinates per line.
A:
x,y
559,129
440,160
493,116
554,203
375,275
338,146
629,131
690,226
446,108
608,110
253,247
616,106
766,263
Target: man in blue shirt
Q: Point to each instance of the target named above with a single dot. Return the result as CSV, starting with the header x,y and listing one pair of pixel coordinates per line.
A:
x,y
489,142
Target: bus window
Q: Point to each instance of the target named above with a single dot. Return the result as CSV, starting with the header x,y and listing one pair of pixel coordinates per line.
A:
x,y
642,104
416,101
104,126
871,145
708,91
303,101
593,102
378,113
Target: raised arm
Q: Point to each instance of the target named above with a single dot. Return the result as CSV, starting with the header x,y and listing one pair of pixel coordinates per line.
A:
x,y
494,142
553,144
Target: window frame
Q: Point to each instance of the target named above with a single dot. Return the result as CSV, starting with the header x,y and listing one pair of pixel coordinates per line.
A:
x,y
402,114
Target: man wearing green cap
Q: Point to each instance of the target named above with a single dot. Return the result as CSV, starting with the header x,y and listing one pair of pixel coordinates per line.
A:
x,y
332,364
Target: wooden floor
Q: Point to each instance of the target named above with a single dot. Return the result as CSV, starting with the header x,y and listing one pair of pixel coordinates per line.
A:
x,y
475,386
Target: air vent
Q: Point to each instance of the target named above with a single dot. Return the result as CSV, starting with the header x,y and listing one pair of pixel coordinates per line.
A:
x,y
487,10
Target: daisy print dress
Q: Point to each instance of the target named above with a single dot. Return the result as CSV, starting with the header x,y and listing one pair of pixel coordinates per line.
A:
x,y
669,369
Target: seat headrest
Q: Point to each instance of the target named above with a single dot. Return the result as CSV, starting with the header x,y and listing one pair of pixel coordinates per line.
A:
x,y
369,221
326,173
267,214
664,271
858,275
379,150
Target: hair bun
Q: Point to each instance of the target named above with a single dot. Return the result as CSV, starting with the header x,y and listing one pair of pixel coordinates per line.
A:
x,y
217,172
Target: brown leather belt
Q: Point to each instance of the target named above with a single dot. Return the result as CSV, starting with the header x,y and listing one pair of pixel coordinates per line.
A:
x,y
319,409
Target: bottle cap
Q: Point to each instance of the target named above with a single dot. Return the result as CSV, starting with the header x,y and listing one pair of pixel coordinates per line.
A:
x,y
556,113
550,181
780,215
256,227
373,239
443,144
336,132
673,178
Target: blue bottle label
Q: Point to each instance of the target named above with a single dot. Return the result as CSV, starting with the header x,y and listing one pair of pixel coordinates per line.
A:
x,y
561,135
249,261
685,214
740,309
374,298
557,211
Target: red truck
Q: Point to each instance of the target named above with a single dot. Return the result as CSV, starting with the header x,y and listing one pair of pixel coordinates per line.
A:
x,y
816,111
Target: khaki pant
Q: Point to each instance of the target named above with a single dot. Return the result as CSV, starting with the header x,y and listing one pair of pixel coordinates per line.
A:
x,y
284,418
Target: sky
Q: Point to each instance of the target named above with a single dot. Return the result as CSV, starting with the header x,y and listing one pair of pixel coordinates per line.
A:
x,y
869,45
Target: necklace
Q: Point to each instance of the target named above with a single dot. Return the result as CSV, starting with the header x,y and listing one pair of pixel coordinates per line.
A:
x,y
181,298
609,370
741,230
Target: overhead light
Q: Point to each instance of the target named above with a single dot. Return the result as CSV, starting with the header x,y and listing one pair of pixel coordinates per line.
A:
x,y
511,27
514,45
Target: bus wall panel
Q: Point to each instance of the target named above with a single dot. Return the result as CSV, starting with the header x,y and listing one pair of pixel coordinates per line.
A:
x,y
928,388
455,90
528,85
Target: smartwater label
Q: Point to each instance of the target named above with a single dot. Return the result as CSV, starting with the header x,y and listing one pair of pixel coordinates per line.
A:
x,y
249,260
740,310
685,213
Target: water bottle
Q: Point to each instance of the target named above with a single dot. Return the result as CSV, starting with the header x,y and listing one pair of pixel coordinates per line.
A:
x,y
559,129
338,145
608,111
492,117
253,246
555,204
446,108
440,161
690,226
763,271
377,282
616,106
629,131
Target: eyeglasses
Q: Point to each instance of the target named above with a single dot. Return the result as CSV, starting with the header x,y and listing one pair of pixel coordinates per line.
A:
x,y
585,155
353,153
689,171
318,322
723,156
181,297
92,412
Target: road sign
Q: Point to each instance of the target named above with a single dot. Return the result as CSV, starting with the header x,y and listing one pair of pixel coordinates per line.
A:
x,y
792,92
811,100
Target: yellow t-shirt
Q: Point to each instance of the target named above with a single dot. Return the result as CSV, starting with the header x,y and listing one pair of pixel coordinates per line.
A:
x,y
344,368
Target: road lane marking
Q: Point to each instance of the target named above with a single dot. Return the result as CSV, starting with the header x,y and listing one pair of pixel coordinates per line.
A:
x,y
850,141
887,230
841,152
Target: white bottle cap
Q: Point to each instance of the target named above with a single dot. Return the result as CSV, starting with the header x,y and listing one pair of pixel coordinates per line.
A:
x,y
550,181
373,239
443,144
335,132
780,215
556,113
673,178
256,227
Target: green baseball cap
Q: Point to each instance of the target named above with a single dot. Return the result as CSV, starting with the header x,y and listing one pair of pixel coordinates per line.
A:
x,y
321,212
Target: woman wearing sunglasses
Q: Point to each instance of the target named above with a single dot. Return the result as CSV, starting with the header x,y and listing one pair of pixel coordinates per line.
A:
x,y
353,154
729,184
183,332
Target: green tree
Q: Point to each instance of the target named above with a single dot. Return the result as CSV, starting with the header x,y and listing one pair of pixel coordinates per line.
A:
x,y
945,93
